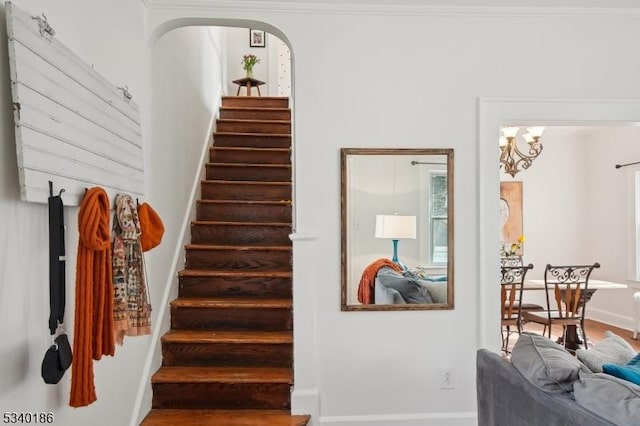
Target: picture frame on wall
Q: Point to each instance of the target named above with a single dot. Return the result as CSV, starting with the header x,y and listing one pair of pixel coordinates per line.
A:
x,y
257,38
511,213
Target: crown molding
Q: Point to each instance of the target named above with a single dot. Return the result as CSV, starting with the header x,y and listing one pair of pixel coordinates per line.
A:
x,y
283,7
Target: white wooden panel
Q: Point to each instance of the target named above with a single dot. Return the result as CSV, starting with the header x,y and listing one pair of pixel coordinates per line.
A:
x,y
73,127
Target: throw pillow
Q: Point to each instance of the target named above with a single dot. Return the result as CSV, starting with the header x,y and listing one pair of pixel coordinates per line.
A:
x,y
630,371
437,290
544,363
609,397
409,289
613,349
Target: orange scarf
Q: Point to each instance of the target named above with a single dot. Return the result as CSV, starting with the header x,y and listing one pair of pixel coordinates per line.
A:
x,y
93,334
365,288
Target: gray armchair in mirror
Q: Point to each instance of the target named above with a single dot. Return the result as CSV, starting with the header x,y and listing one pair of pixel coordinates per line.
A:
x,y
397,229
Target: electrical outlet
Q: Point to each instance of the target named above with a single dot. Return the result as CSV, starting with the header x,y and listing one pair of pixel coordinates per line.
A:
x,y
447,378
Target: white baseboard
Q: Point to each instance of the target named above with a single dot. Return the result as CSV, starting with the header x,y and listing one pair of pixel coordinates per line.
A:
x,y
306,401
418,419
610,318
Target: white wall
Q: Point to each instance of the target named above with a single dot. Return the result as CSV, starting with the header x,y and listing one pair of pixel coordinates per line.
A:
x,y
608,218
355,86
238,46
110,36
187,83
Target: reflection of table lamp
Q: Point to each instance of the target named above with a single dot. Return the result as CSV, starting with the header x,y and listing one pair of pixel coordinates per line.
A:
x,y
395,227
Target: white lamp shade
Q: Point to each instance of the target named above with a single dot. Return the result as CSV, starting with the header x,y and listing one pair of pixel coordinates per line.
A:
x,y
395,227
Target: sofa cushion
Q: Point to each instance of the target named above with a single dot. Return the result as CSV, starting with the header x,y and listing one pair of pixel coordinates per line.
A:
x,y
437,290
629,371
613,349
609,397
545,364
409,289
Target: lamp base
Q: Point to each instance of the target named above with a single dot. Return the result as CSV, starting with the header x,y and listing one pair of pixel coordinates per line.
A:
x,y
395,256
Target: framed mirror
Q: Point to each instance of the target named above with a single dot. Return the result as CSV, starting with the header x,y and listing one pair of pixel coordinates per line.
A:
x,y
397,229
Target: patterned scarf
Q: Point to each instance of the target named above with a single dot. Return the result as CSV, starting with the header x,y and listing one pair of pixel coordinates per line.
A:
x,y
131,308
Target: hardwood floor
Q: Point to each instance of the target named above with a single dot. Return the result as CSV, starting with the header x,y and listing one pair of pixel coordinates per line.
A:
x,y
595,333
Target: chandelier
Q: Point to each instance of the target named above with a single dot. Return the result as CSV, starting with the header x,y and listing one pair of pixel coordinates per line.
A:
x,y
510,155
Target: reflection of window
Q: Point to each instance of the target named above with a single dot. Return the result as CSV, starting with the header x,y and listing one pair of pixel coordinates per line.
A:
x,y
438,218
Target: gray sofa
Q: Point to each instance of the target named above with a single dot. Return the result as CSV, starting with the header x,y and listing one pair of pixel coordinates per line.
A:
x,y
543,384
392,288
506,398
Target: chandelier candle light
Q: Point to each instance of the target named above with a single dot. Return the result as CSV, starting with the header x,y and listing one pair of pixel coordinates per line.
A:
x,y
511,156
395,227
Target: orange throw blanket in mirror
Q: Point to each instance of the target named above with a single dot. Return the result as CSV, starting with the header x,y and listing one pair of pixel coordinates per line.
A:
x,y
365,288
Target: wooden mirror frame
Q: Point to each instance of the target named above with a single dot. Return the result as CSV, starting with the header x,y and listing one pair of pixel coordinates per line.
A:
x,y
344,153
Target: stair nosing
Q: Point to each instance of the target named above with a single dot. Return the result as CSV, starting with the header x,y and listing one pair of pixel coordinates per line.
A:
x,y
250,148
288,135
233,302
266,165
242,273
246,182
254,108
235,247
239,337
250,120
223,223
284,203
251,375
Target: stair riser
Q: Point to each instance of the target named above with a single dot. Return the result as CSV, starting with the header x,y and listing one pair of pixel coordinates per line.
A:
x,y
255,114
221,395
255,101
227,354
253,127
240,235
234,260
249,173
252,141
228,212
249,157
232,319
238,191
277,288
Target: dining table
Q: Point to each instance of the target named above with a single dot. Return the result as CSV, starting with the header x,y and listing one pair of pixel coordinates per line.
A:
x,y
572,341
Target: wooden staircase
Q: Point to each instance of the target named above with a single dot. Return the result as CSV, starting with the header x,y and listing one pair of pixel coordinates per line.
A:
x,y
228,358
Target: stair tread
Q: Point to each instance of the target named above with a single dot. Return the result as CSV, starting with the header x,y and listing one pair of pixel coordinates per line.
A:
x,y
221,223
267,165
250,149
247,202
288,135
230,302
245,247
202,417
251,120
246,182
254,98
206,374
208,336
253,108
240,274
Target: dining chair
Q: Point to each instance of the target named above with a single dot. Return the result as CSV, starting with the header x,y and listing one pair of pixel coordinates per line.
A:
x,y
511,283
569,285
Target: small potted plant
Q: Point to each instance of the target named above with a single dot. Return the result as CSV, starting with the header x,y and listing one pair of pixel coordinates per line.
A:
x,y
248,61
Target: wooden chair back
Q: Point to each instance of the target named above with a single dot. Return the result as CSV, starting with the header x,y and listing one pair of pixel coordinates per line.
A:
x,y
569,284
511,282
